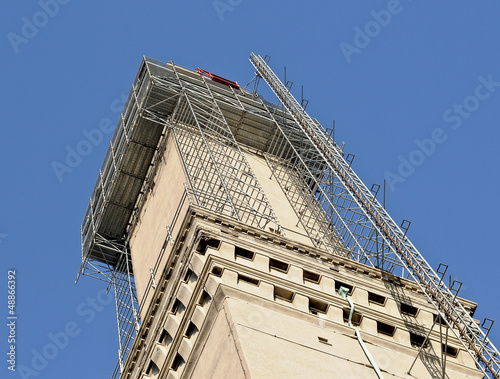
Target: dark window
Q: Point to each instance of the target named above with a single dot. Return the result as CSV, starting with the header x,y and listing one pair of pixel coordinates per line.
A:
x,y
278,265
283,294
152,369
190,276
178,362
243,253
377,299
207,242
217,271
408,309
317,306
191,330
178,307
165,338
356,316
204,298
439,320
449,350
340,284
247,279
311,276
416,340
386,329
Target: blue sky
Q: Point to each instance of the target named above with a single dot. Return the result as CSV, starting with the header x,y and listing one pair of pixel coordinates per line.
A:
x,y
414,87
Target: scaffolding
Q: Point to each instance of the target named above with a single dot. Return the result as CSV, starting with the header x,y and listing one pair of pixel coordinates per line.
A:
x,y
202,116
219,175
362,223
209,122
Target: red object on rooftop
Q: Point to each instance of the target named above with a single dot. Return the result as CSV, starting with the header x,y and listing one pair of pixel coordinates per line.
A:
x,y
218,79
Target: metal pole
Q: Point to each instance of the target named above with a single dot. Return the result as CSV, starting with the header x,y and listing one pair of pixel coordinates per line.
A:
x,y
384,195
445,352
422,346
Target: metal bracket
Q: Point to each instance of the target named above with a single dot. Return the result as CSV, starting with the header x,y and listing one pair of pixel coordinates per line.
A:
x,y
170,235
152,277
374,189
405,225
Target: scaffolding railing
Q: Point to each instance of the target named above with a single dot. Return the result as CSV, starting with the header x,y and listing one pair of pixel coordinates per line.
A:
x,y
121,187
126,305
218,172
364,225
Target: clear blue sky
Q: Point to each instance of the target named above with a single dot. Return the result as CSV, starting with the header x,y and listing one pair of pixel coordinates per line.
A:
x,y
394,75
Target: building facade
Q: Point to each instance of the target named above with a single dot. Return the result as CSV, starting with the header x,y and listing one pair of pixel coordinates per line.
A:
x,y
236,253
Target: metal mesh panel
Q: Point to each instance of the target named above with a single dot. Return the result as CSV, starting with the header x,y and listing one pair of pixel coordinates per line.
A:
x,y
220,177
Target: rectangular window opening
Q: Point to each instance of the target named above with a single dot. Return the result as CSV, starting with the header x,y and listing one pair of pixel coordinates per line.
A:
x,y
439,320
243,253
317,306
205,243
324,340
191,330
376,299
449,350
217,271
386,329
178,307
190,276
283,294
178,362
311,276
278,265
340,284
356,316
408,309
204,298
247,279
165,338
152,369
416,340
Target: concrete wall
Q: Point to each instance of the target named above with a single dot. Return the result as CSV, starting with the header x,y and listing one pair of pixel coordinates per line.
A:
x,y
249,330
281,207
220,357
150,234
268,343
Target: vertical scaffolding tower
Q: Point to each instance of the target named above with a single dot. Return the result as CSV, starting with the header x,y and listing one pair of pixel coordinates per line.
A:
x,y
209,119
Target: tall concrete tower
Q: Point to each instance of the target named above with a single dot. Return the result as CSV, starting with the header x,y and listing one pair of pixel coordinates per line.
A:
x,y
240,244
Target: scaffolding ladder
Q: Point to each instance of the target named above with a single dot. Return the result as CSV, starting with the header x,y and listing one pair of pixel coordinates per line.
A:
x,y
383,229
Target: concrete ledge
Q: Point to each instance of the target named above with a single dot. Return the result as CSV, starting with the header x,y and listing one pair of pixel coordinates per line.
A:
x,y
184,294
198,316
159,355
185,348
171,325
197,263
